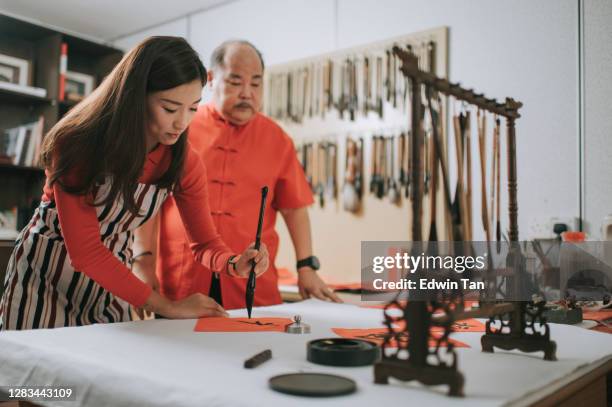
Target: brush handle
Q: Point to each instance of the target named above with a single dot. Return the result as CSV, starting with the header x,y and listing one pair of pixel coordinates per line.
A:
x,y
264,194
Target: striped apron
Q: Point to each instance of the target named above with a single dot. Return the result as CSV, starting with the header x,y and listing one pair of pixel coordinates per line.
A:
x,y
43,290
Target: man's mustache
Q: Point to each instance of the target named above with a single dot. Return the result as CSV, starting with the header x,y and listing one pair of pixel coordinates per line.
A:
x,y
244,105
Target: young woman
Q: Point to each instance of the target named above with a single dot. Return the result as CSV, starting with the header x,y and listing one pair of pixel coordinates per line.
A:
x,y
110,164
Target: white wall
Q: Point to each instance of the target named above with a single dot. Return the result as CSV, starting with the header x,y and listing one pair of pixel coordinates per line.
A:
x,y
521,48
177,28
598,112
283,30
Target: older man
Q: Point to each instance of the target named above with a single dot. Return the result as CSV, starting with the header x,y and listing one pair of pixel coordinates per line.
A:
x,y
243,151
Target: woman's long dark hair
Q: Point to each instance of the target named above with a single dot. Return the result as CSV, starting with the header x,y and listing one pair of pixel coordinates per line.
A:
x,y
104,135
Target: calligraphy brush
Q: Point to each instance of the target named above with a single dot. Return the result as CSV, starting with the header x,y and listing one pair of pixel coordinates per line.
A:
x,y
250,288
468,197
493,168
498,226
440,157
481,120
457,215
433,234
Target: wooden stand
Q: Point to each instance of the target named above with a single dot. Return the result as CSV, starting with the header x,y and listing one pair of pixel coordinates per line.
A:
x,y
522,325
512,333
406,370
417,365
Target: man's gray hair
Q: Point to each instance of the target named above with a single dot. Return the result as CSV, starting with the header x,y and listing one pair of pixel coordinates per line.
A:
x,y
217,58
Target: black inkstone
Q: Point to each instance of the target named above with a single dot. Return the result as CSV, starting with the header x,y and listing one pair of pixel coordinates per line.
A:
x,y
312,384
343,352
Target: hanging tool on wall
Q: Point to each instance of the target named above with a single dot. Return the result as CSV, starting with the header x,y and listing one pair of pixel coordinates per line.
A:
x,y
379,86
408,164
381,186
306,107
481,119
289,94
433,167
385,164
331,164
428,57
375,159
468,196
426,131
306,163
409,140
292,96
400,158
312,80
318,90
431,53
353,101
394,191
350,198
456,231
314,172
311,90
321,88
328,72
313,166
301,95
400,86
298,91
406,92
359,170
302,89
373,155
367,85
295,95
457,206
299,148
321,164
493,170
342,104
393,80
377,168
276,99
425,56
284,100
388,75
386,169
497,184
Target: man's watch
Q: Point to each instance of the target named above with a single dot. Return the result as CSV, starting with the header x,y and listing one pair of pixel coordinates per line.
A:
x,y
312,262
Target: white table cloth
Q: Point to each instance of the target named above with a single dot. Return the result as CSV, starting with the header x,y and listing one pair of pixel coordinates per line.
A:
x,y
166,363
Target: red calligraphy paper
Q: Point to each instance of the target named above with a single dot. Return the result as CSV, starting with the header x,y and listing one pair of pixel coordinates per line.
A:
x,y
377,335
599,316
222,324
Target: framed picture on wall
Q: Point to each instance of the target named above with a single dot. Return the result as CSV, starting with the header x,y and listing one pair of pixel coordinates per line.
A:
x,y
78,85
14,70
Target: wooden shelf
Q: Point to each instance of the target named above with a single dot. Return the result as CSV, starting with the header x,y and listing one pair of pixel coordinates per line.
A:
x,y
12,97
67,104
4,168
41,46
14,27
88,48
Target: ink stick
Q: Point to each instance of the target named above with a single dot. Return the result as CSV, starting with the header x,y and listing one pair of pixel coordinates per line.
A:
x,y
258,359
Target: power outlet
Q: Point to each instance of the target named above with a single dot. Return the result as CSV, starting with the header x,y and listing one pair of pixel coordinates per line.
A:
x,y
570,221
